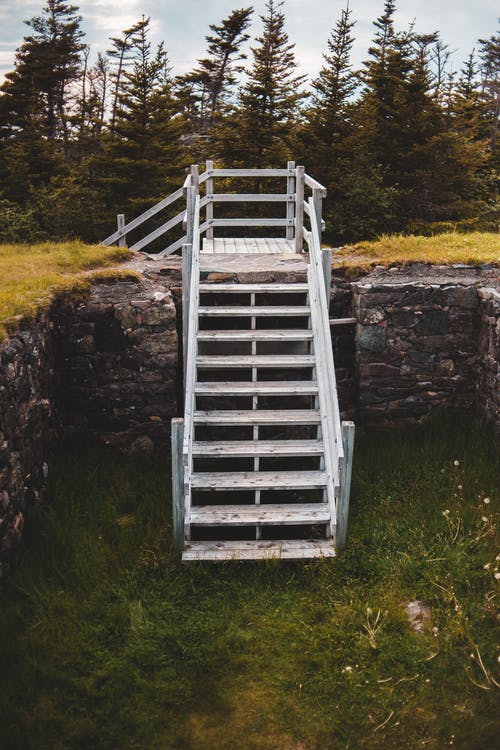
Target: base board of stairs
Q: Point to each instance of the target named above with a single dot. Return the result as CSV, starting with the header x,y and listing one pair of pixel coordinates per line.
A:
x,y
289,549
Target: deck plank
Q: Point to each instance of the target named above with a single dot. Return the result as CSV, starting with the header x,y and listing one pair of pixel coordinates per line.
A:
x,y
252,448
290,514
275,417
287,549
209,481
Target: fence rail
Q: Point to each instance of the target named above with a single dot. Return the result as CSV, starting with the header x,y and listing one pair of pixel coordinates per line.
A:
x,y
295,208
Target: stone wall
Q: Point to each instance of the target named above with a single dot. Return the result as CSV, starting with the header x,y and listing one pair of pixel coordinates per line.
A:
x,y
116,353
27,383
488,381
416,342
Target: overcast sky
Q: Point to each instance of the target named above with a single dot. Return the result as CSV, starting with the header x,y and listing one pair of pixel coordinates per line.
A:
x,y
182,24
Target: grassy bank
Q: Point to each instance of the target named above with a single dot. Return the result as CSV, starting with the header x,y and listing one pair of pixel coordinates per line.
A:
x,y
106,641
30,275
474,248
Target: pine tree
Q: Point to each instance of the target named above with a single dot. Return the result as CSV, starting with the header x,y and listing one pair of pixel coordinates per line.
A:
x,y
261,132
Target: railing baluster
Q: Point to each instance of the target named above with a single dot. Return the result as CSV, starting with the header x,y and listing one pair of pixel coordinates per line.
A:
x,y
120,223
290,206
299,209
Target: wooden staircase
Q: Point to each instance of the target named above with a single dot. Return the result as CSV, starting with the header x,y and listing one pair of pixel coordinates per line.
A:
x,y
261,460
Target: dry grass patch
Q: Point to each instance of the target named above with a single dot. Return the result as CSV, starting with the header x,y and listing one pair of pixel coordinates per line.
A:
x,y
473,248
30,275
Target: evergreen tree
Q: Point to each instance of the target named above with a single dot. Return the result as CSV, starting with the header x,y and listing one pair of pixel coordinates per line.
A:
x,y
35,100
143,152
261,132
120,55
204,90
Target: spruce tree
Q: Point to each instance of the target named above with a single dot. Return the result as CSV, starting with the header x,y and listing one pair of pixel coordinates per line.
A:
x,y
36,100
261,131
205,89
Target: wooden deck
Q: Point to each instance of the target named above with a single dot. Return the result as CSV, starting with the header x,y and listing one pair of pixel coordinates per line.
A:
x,y
248,246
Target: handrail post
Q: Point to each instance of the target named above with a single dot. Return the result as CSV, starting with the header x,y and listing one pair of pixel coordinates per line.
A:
x,y
120,223
299,209
191,193
178,499
290,208
210,205
318,208
195,177
326,260
345,484
187,251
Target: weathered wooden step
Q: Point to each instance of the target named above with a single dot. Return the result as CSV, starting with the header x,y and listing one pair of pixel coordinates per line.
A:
x,y
278,361
259,388
288,549
292,288
258,417
239,311
298,514
252,448
258,480
270,334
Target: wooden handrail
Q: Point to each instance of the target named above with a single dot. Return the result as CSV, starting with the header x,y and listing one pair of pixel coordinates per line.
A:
x,y
143,217
191,353
315,185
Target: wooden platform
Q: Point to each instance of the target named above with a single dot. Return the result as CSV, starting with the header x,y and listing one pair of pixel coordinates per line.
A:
x,y
248,246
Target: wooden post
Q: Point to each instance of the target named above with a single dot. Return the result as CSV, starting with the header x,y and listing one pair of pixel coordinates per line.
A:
x,y
120,223
290,189
345,483
326,259
187,252
191,193
177,483
195,177
318,208
210,206
299,209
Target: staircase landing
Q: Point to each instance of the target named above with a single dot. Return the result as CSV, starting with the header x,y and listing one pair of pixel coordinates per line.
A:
x,y
248,246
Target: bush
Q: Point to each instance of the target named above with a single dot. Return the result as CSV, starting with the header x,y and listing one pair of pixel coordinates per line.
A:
x,y
18,224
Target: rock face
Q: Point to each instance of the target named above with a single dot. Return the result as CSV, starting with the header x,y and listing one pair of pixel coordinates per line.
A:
x,y
116,355
425,338
106,364
488,383
26,427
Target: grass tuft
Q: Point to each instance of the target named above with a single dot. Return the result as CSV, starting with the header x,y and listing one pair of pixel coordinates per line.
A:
x,y
471,249
31,275
107,641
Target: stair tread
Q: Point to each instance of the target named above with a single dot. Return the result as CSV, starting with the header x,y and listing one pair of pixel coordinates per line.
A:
x,y
261,388
271,514
255,312
288,549
277,334
258,288
260,480
208,361
258,416
241,448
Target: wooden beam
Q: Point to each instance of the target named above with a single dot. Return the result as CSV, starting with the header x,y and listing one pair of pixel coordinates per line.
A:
x,y
186,286
326,259
251,172
210,203
299,208
345,484
159,231
251,198
290,209
178,505
315,184
143,217
120,224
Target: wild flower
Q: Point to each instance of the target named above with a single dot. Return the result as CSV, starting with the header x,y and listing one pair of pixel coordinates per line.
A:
x,y
486,500
456,463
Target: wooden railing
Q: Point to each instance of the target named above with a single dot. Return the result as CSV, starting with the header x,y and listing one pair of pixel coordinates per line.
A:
x,y
292,220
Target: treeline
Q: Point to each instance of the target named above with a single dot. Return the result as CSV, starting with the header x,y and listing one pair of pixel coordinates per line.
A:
x,y
404,144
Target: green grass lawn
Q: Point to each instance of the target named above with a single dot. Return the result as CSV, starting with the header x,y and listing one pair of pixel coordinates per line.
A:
x,y
452,247
30,275
107,641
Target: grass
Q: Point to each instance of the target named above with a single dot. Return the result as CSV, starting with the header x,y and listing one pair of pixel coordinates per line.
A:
x,y
30,275
474,248
106,641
